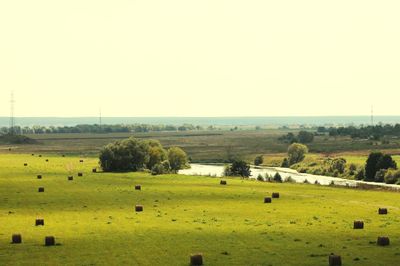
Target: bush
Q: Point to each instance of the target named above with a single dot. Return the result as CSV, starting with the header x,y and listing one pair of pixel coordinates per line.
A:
x,y
260,177
258,160
277,177
360,174
338,165
392,176
285,163
380,175
296,153
238,168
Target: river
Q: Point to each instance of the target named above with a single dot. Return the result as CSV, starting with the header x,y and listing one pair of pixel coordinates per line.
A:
x,y
217,171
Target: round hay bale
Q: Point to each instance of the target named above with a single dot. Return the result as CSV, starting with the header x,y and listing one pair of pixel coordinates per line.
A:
x,y
382,211
39,222
358,225
39,176
63,155
383,241
33,154
16,239
70,178
47,160
267,200
25,164
41,189
275,195
9,149
222,182
196,259
335,260
138,187
81,161
139,208
80,174
49,241
40,155
94,170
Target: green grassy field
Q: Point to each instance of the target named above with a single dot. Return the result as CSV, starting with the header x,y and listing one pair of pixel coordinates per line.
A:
x,y
93,219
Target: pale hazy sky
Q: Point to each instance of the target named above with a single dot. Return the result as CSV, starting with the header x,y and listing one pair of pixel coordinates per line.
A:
x,y
200,58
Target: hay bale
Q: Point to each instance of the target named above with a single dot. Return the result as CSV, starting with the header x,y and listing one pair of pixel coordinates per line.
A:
x,y
39,222
196,259
383,241
275,195
25,164
382,211
40,155
81,161
33,154
47,160
267,200
16,239
41,189
80,174
49,241
70,178
94,170
222,182
139,208
358,225
63,155
138,187
335,260
39,176
9,149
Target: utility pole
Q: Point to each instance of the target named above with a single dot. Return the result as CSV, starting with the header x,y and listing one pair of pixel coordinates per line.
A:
x,y
12,120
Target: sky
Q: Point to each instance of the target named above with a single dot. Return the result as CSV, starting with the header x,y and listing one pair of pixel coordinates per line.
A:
x,y
200,58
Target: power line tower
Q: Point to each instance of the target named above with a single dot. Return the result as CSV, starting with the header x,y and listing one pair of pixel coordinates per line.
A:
x,y
12,119
372,115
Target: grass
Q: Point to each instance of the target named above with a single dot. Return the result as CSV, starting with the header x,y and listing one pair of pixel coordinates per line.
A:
x,y
94,222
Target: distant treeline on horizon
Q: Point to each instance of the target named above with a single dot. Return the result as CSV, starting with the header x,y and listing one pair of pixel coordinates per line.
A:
x,y
203,121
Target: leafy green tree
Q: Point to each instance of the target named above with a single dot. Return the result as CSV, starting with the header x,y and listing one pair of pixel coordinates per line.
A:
x,y
156,153
296,153
338,165
258,160
277,177
377,161
238,168
177,158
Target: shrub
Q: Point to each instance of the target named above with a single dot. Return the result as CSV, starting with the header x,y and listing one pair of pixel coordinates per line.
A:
x,y
296,153
237,168
258,160
338,165
360,174
285,163
260,177
380,175
277,177
392,176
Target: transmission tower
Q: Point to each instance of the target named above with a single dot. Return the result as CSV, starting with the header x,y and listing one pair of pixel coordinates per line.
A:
x,y
12,119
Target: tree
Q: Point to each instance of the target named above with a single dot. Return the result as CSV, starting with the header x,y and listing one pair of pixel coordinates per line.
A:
x,y
371,165
177,158
285,163
296,153
126,155
305,137
238,168
377,161
156,153
258,160
338,164
277,177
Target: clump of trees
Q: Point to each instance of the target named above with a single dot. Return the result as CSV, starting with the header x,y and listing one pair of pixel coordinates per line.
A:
x,y
364,132
302,137
376,162
136,155
237,168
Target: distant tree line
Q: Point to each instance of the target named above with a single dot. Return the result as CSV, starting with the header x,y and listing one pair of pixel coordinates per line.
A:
x,y
302,137
364,132
119,128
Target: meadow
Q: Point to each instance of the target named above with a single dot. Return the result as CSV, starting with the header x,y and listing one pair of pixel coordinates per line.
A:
x,y
94,221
